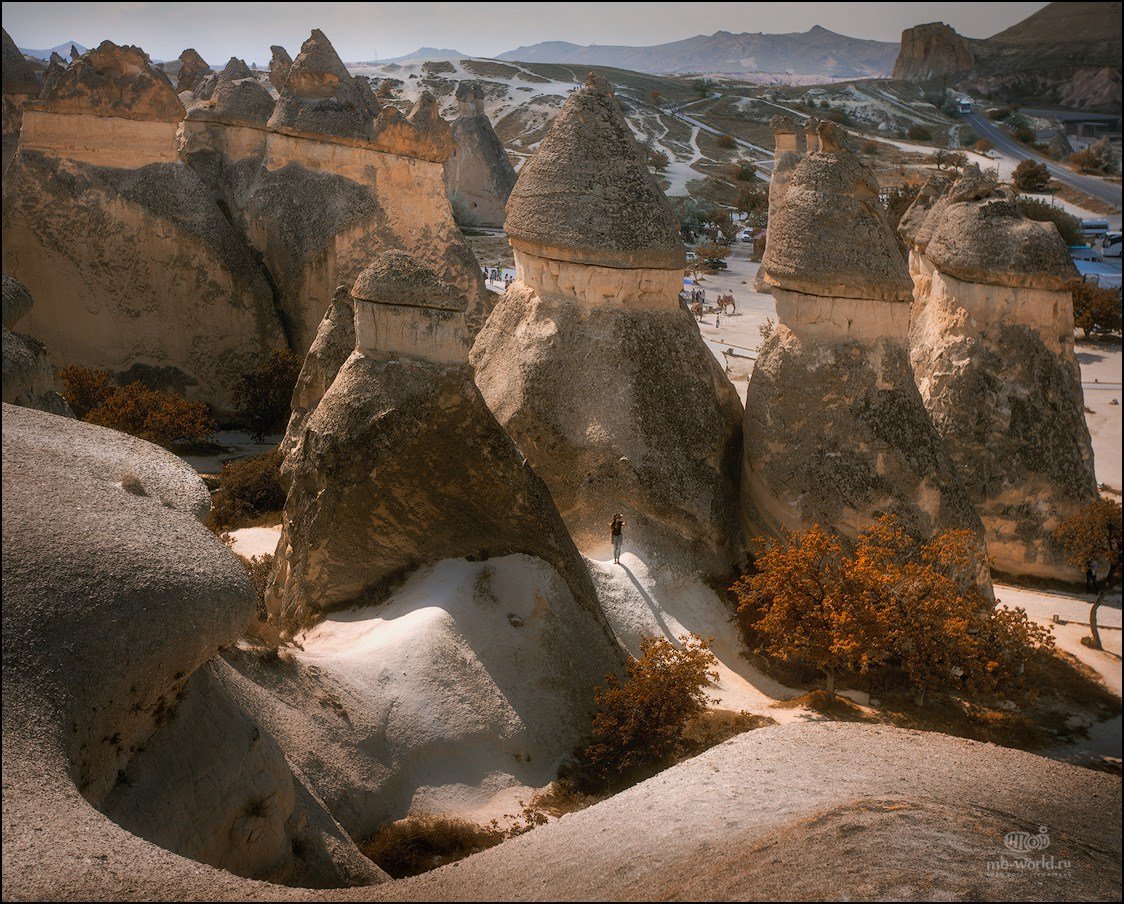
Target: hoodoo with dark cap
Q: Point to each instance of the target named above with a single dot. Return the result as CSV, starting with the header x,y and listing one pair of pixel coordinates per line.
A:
x,y
835,430
991,343
478,176
588,360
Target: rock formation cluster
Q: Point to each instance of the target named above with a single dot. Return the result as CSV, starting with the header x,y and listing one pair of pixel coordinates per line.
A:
x,y
991,344
835,429
479,176
931,51
20,84
567,360
230,223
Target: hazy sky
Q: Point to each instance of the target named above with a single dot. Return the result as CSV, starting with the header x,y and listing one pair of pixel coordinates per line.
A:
x,y
365,31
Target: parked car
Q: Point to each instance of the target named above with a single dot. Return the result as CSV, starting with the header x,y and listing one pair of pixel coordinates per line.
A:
x,y
1110,244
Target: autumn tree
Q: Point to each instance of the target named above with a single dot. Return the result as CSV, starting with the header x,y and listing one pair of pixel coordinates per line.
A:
x,y
726,142
802,605
919,133
1031,175
1096,309
983,146
710,253
264,395
655,97
1091,540
754,203
640,719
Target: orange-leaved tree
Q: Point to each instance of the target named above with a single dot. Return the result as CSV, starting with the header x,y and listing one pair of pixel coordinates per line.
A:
x,y
1091,540
803,604
640,719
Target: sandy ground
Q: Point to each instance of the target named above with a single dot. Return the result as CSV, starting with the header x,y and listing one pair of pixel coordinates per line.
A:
x,y
248,542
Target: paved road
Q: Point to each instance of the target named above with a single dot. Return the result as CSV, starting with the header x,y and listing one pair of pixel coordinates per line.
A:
x,y
1090,185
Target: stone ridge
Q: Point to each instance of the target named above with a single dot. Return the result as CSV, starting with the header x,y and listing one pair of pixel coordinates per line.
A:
x,y
587,196
112,81
18,75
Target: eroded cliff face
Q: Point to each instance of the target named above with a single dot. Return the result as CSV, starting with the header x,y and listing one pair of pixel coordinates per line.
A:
x,y
324,181
129,259
20,84
931,51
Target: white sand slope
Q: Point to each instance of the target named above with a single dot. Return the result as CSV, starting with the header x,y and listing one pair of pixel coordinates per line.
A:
x,y
460,694
648,600
251,542
814,811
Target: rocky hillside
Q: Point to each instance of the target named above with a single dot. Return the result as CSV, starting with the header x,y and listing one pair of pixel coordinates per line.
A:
x,y
816,53
1066,54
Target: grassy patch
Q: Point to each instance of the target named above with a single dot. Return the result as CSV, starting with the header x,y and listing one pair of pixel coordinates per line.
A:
x,y
418,844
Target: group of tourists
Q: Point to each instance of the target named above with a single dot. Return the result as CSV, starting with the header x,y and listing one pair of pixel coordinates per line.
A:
x,y
495,274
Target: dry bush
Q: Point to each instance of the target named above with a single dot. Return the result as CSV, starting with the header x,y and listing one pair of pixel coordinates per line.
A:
x,y
1032,176
159,417
726,142
264,396
248,488
713,726
983,146
640,719
85,388
1096,309
919,133
1068,226
417,844
1096,158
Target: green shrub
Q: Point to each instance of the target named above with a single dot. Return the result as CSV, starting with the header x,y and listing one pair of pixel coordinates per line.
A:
x,y
264,396
248,488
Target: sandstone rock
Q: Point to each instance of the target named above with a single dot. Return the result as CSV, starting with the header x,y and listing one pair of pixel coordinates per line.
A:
x,y
192,70
279,66
835,430
479,176
29,379
20,84
234,70
374,185
931,51
17,301
118,569
334,343
991,344
436,563
233,97
18,76
587,196
565,360
368,501
55,68
320,96
786,156
119,82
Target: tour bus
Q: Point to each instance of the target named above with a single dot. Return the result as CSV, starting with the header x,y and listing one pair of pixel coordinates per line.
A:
x,y
1094,228
1110,244
963,106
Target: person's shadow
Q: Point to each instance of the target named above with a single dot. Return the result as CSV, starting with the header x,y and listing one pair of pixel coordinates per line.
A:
x,y
656,614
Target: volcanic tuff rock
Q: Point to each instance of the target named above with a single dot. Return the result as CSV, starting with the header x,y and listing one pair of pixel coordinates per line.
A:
x,y
835,430
334,343
194,68
279,66
233,97
931,51
121,544
369,500
408,500
479,176
20,83
29,379
322,187
991,344
566,362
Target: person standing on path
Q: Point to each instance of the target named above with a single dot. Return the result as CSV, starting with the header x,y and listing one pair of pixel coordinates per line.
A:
x,y
616,531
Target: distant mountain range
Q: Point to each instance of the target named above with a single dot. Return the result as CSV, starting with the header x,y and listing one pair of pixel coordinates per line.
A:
x,y
422,54
816,52
62,50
